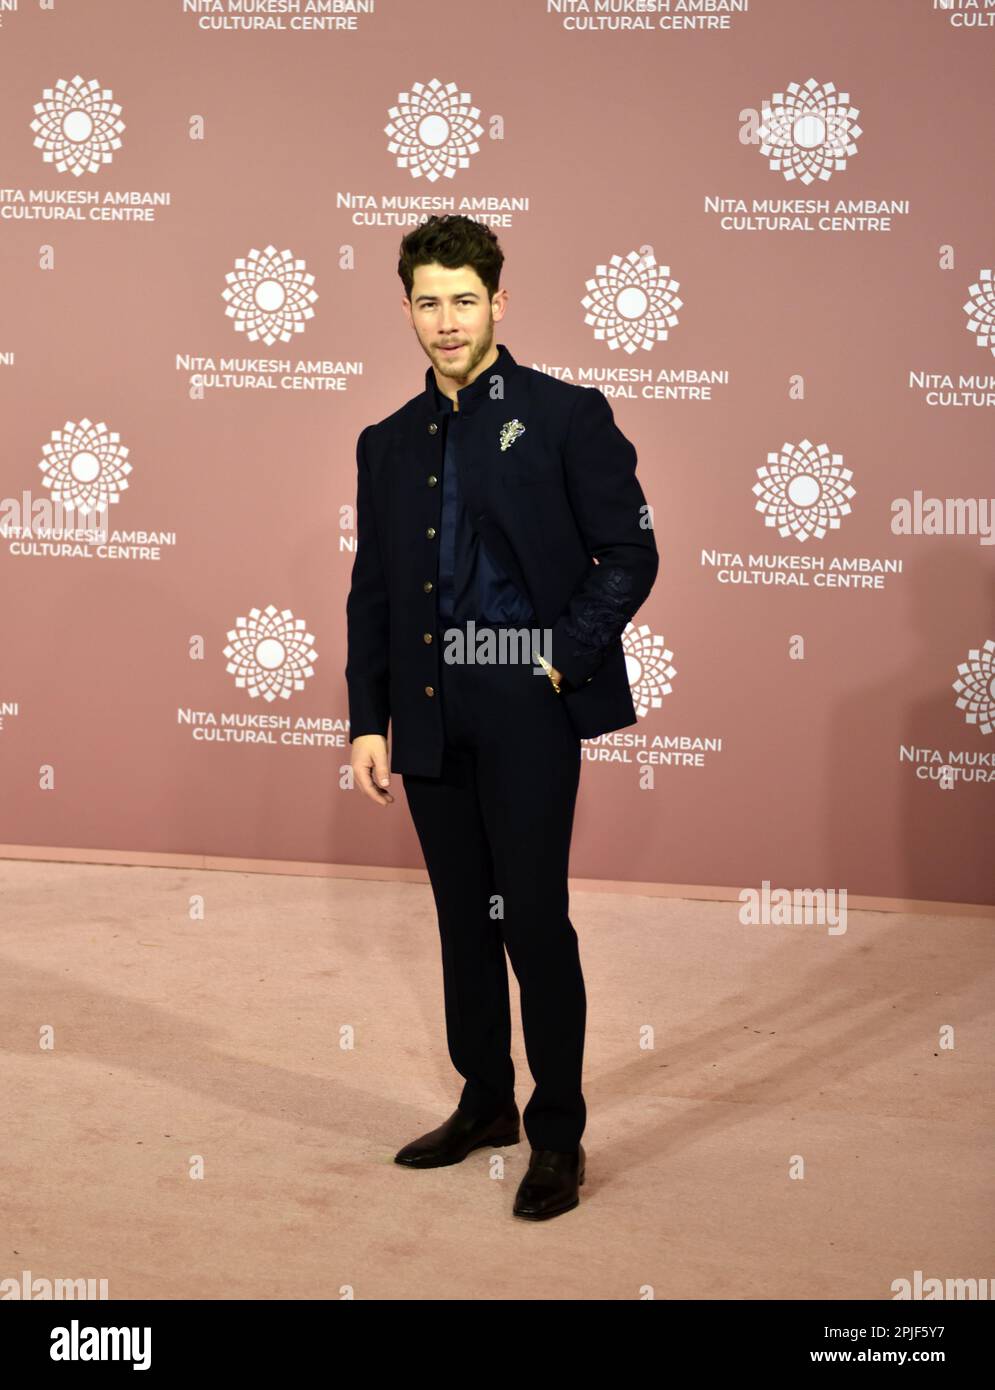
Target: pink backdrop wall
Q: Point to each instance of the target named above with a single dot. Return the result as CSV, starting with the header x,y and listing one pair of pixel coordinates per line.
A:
x,y
801,732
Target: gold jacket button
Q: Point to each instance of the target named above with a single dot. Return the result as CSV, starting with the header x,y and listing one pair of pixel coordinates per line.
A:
x,y
427,586
433,428
430,690
431,533
432,480
426,637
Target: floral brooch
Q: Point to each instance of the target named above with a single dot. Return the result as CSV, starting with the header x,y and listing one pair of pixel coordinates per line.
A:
x,y
510,432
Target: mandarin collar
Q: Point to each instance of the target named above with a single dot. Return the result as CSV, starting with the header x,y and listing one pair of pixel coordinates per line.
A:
x,y
470,396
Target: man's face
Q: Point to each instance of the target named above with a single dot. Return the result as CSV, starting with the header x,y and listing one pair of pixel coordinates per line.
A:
x,y
453,318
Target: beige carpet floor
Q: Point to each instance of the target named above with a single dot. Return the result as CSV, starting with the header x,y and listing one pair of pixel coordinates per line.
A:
x,y
286,1040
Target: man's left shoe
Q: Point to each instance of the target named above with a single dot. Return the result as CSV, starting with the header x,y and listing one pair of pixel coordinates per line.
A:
x,y
550,1186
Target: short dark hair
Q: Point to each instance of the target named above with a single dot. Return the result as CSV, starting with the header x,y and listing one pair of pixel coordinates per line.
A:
x,y
452,241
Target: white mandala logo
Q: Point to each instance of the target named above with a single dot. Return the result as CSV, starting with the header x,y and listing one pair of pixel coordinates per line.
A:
x,y
433,130
77,126
804,490
85,466
808,132
647,662
632,302
980,310
976,688
269,295
270,653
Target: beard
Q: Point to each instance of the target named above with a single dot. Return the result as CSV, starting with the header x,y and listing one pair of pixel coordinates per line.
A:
x,y
463,363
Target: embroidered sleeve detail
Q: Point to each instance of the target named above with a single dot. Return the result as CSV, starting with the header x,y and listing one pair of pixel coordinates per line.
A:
x,y
602,614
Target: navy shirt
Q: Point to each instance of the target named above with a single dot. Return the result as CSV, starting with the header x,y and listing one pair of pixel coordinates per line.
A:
x,y
471,584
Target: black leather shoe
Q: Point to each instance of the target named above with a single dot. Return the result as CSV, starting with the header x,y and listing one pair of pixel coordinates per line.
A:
x,y
550,1186
460,1135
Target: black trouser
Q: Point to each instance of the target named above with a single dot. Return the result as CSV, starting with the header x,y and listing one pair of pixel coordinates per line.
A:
x,y
495,830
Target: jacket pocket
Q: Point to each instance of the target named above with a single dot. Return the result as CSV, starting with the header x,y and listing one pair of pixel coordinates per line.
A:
x,y
532,477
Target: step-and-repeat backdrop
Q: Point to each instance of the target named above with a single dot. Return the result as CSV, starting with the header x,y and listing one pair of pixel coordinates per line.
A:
x,y
763,228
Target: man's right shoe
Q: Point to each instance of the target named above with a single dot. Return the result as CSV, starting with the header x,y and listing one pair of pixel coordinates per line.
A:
x,y
458,1136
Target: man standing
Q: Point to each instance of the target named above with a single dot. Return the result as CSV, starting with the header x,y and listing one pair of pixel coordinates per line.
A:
x,y
500,519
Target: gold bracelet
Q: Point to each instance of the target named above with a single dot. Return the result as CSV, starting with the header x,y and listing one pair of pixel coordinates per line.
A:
x,y
549,671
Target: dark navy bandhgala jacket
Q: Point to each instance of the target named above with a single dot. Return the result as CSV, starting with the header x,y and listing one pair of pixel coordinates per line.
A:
x,y
559,509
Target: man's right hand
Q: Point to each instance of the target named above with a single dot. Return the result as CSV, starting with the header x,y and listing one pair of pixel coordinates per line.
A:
x,y
369,767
